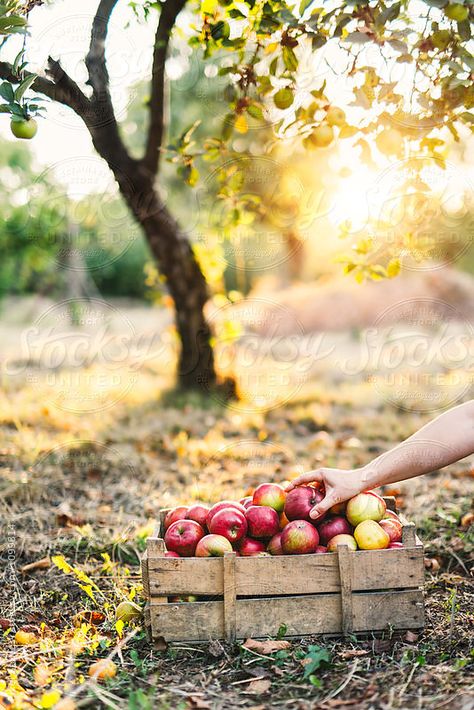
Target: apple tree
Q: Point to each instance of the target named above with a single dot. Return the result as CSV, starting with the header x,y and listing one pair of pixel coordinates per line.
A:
x,y
419,83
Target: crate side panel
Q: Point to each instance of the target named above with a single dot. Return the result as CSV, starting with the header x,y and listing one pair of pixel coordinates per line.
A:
x,y
307,615
193,621
287,574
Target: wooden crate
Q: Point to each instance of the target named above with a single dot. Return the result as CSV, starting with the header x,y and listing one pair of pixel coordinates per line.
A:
x,y
238,597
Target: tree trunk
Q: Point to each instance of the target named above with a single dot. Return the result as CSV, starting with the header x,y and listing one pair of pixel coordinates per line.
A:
x,y
176,261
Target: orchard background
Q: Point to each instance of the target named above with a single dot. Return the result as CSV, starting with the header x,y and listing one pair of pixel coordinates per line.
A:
x,y
238,246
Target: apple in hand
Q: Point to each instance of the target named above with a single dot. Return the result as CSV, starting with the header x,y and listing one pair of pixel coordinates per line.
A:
x,y
274,546
213,546
183,536
330,527
198,513
370,536
271,495
248,547
219,506
262,522
175,514
229,522
300,501
341,539
393,528
365,506
299,538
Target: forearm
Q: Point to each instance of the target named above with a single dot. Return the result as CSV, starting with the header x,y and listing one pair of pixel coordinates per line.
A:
x,y
443,441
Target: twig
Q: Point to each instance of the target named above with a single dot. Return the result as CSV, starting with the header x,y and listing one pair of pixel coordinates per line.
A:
x,y
343,684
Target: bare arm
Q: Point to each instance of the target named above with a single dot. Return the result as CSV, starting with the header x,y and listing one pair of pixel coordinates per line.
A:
x,y
443,441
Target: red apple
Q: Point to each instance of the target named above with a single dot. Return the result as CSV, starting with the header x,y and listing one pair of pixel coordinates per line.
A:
x,y
320,550
341,540
331,527
262,522
249,547
223,504
300,501
283,520
395,546
370,536
274,546
390,515
338,509
365,506
229,522
198,513
270,494
175,514
169,553
246,501
213,546
299,538
393,528
183,536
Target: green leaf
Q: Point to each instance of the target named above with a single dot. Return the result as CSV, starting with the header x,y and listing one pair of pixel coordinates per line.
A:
x,y
304,4
464,29
316,658
6,91
289,59
17,61
228,126
4,108
389,14
317,41
283,98
467,117
255,111
24,86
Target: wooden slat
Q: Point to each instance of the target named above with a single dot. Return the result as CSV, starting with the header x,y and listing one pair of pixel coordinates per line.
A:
x,y
155,546
230,616
145,577
408,532
345,573
287,574
311,614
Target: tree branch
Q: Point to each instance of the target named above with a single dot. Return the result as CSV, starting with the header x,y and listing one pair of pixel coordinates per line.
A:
x,y
169,13
95,59
62,89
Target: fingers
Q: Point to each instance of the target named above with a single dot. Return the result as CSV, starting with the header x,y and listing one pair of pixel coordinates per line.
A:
x,y
307,477
322,507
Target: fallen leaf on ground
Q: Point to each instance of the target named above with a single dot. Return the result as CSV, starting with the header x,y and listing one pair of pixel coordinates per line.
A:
x,y
265,647
467,520
411,637
43,563
196,702
258,686
353,652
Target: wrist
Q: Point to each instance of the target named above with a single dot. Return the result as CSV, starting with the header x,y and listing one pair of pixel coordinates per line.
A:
x,y
368,477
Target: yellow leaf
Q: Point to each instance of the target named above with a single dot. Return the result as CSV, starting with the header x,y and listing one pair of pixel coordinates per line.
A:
x,y
241,125
393,268
62,564
119,626
50,698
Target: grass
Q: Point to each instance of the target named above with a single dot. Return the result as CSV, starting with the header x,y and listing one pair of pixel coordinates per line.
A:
x,y
87,489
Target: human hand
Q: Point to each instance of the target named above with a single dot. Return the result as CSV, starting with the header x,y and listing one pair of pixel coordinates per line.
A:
x,y
339,485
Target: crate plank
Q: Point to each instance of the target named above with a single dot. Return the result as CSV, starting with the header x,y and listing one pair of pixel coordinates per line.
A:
x,y
230,613
286,574
302,615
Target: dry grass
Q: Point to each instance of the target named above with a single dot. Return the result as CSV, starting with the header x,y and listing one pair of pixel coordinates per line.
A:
x,y
88,487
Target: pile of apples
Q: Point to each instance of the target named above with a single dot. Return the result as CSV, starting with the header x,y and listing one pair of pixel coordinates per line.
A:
x,y
273,522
